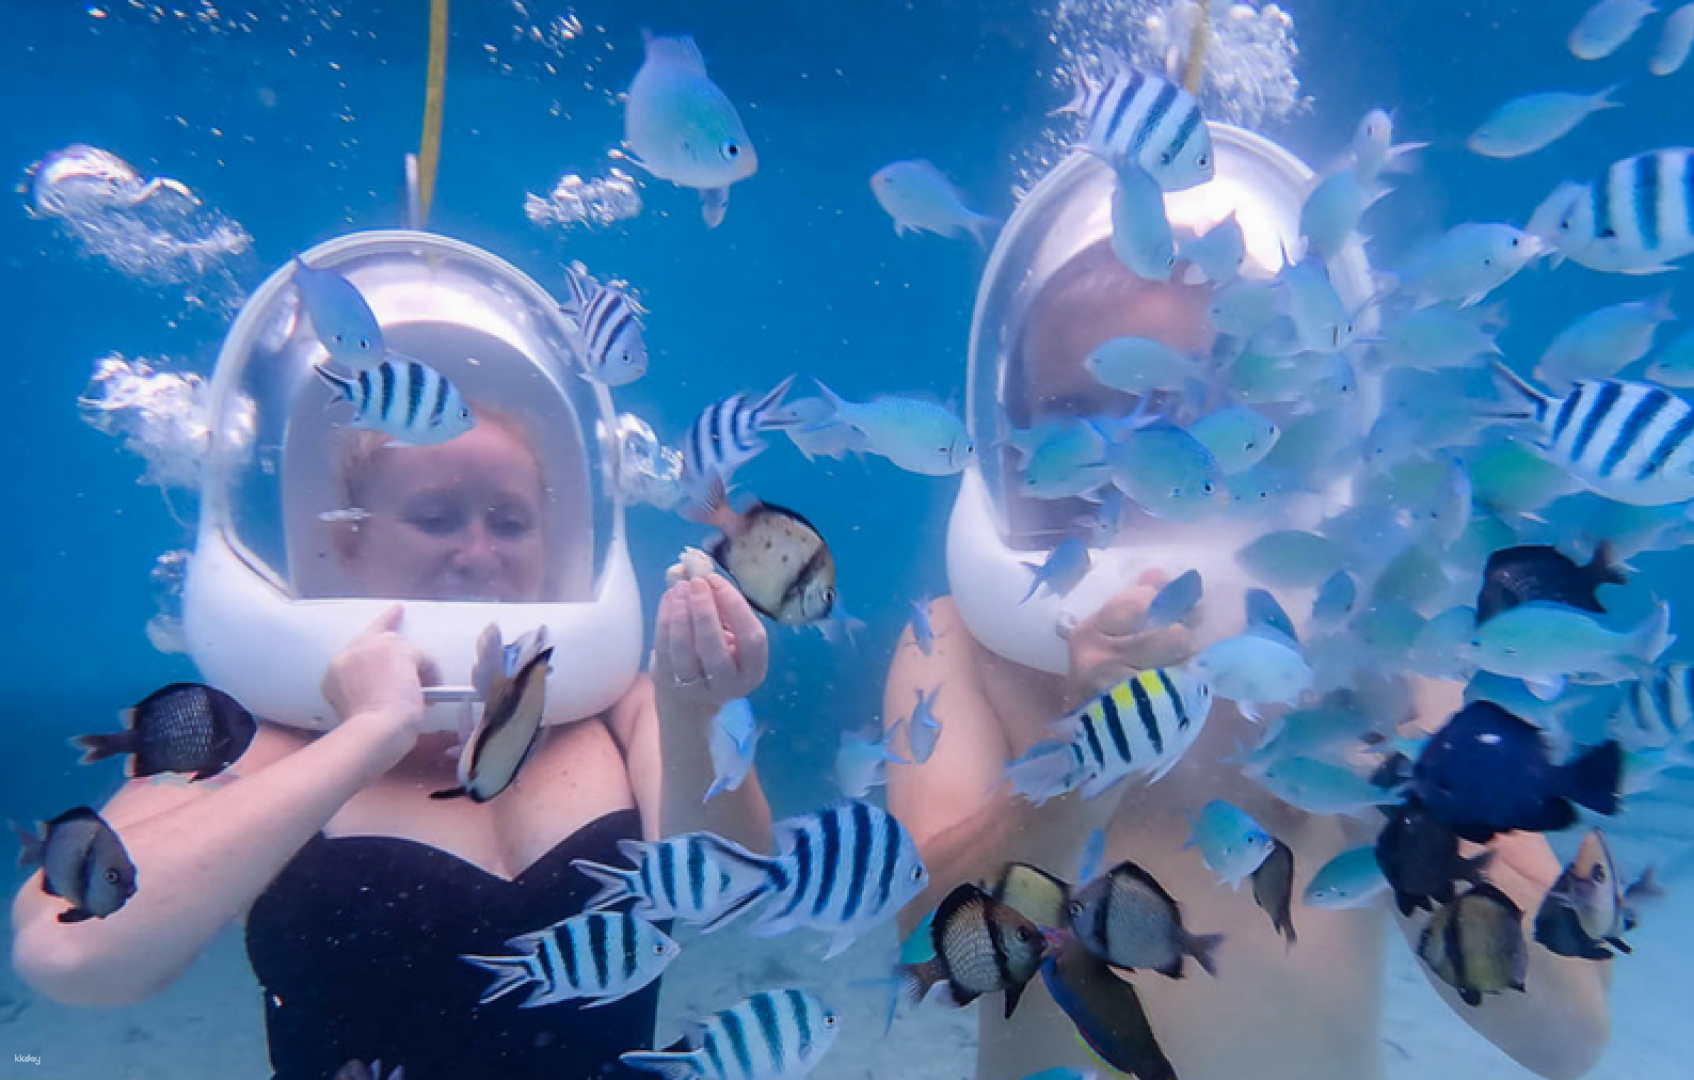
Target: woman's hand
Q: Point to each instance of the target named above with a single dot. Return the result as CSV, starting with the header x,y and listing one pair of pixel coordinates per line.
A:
x,y
1110,645
381,674
710,647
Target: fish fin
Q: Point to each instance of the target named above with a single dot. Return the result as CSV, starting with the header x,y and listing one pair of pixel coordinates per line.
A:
x,y
510,973
1084,87
1534,402
614,998
680,52
917,980
1605,568
1654,635
31,847
75,915
840,943
449,793
341,384
770,403
982,228
1203,948
1043,772
615,884
1620,945
671,1066
100,747
1470,995
1547,689
714,205
1014,994
712,507
1592,780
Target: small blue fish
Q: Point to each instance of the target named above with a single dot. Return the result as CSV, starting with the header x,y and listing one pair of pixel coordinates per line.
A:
x,y
919,436
1138,365
1315,731
1603,342
1330,215
1335,600
1237,437
1318,787
1675,41
862,762
1374,149
1220,252
920,198
1255,669
922,632
343,322
733,742
1606,26
1232,844
412,402
1264,611
840,626
1244,308
1322,323
1174,602
1350,880
1141,233
1169,473
681,127
1468,262
1064,567
1535,121
1291,559
923,731
1437,337
1062,460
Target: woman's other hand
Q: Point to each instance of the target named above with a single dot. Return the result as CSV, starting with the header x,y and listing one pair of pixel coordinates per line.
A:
x,y
1111,645
381,674
710,647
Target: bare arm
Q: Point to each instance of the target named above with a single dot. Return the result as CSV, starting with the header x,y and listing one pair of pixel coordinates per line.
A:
x,y
204,853
1561,1024
709,637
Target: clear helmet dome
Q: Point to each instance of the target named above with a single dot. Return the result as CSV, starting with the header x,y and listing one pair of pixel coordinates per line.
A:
x,y
1053,290
312,525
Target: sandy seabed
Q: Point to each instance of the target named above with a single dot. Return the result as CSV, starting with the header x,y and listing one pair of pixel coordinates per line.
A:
x,y
210,1024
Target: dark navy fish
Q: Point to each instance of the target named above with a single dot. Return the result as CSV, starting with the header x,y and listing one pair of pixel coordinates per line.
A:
x,y
82,861
183,728
1107,1013
1487,772
1531,572
1273,889
1419,856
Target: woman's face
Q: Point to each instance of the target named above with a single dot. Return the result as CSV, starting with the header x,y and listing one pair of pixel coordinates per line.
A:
x,y
456,521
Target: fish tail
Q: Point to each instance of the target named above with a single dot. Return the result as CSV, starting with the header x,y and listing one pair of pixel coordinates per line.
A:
x,y
100,747
1084,89
1654,635
917,980
615,884
837,405
982,227
1533,402
1203,948
670,1066
767,414
1044,772
712,506
1604,568
1593,779
1605,99
341,384
510,973
577,284
31,847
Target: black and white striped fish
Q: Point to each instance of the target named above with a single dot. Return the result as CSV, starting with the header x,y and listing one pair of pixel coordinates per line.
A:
x,y
773,1035
608,326
1142,725
696,877
1659,707
726,436
602,955
403,398
1637,218
841,870
1136,117
1631,442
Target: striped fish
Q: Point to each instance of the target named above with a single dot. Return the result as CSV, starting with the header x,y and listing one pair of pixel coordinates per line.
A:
x,y
1631,442
604,955
608,328
726,436
773,1035
842,870
403,398
1636,219
1142,725
1136,117
1659,706
696,877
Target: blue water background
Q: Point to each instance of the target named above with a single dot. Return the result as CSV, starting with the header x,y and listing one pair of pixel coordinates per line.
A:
x,y
805,276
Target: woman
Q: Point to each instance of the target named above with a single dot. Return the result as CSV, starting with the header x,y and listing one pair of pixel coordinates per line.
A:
x,y
1275,1011
359,892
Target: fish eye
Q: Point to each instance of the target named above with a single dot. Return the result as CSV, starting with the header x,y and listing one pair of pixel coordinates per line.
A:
x,y
1205,160
1165,158
1516,242
1024,935
1599,875
731,149
829,1020
1074,907
112,876
659,948
917,873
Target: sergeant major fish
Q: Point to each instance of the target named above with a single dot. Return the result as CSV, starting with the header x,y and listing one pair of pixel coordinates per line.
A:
x,y
602,956
1141,726
1637,218
726,436
608,328
695,877
1133,117
773,1035
404,399
680,126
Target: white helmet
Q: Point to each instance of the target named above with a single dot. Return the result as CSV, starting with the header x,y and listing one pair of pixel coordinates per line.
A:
x,y
270,598
996,534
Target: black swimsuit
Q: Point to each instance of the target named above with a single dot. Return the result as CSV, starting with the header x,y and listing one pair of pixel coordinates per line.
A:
x,y
357,945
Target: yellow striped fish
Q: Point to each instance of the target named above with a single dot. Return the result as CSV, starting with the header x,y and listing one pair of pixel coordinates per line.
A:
x,y
1140,726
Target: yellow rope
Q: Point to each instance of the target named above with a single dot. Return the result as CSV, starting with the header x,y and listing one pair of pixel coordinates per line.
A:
x,y
435,93
1196,66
